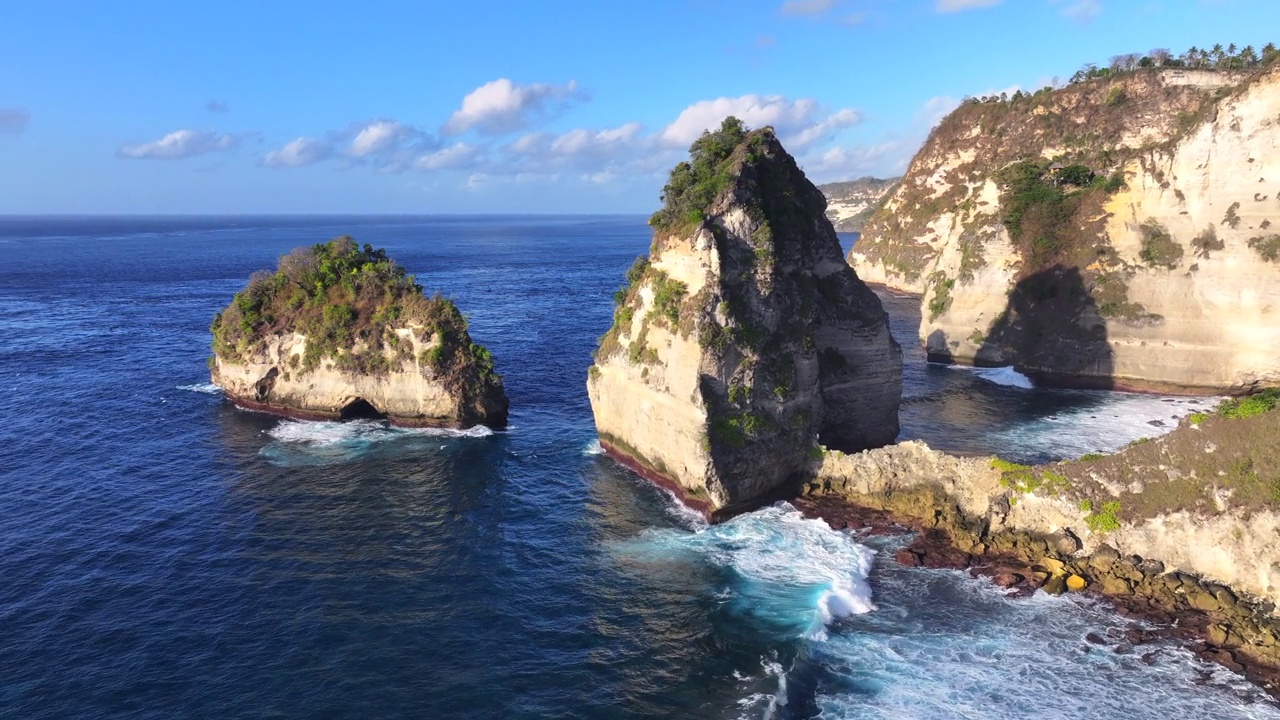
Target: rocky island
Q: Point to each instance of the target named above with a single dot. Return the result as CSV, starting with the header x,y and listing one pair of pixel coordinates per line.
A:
x,y
743,339
340,331
1121,231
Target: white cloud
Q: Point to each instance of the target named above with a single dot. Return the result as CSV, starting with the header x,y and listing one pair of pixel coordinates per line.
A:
x,y
453,157
577,142
950,6
380,136
181,144
798,122
937,108
823,129
303,151
13,120
1081,11
531,143
801,8
502,106
845,163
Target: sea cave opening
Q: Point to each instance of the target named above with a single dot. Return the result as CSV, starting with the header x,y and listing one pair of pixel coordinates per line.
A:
x,y
361,409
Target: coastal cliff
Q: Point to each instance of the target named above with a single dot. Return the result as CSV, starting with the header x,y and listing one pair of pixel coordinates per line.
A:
x,y
743,339
1118,232
338,331
1183,530
851,203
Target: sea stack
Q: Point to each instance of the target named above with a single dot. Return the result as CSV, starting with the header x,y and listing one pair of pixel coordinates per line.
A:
x,y
339,331
743,340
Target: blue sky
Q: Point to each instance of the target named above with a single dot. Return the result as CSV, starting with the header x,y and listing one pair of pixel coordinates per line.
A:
x,y
510,106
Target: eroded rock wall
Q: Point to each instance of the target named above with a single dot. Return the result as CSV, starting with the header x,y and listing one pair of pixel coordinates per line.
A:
x,y
411,392
1166,271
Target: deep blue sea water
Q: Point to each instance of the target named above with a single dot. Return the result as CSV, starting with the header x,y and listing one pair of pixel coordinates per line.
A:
x,y
163,554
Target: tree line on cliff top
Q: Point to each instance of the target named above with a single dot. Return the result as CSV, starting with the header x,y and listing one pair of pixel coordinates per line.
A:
x,y
1195,58
1215,58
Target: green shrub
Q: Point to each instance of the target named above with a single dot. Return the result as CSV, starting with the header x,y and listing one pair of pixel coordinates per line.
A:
x,y
1198,418
1105,520
1089,457
668,295
695,184
1267,247
941,300
1232,218
1239,408
1158,247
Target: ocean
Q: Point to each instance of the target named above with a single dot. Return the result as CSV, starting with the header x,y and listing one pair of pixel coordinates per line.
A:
x,y
164,554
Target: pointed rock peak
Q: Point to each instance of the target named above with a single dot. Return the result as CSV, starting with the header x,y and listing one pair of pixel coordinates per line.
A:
x,y
743,339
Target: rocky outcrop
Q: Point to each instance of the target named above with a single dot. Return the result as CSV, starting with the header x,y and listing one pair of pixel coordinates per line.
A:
x,y
339,332
851,203
1182,529
744,338
1118,232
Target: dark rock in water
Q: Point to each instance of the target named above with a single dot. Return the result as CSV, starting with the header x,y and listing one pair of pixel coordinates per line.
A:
x,y
908,558
1055,585
1095,639
1156,423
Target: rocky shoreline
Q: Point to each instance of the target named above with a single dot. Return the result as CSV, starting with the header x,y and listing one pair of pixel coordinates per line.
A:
x,y
1210,619
294,413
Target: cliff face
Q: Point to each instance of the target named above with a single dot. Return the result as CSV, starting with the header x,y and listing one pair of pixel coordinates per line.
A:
x,y
743,338
340,332
1118,232
851,203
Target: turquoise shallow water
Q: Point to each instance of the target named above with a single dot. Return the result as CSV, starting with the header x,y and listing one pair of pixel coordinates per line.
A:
x,y
166,555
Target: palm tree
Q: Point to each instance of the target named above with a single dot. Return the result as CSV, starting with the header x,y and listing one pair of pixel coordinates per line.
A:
x,y
1249,56
1217,53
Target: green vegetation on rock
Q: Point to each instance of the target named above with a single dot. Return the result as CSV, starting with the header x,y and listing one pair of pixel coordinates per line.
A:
x,y
695,183
1238,408
1267,247
347,300
1159,249
1105,520
940,302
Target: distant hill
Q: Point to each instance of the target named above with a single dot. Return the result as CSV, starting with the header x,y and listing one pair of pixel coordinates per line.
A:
x,y
851,202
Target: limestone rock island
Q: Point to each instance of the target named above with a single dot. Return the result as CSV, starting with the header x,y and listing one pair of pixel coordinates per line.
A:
x,y
744,339
340,331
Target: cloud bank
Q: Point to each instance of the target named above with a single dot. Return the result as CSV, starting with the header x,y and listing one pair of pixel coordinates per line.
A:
x,y
181,144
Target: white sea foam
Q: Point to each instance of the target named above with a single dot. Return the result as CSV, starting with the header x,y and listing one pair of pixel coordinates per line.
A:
x,y
593,448
947,646
205,388
321,434
795,573
1103,422
309,443
1006,376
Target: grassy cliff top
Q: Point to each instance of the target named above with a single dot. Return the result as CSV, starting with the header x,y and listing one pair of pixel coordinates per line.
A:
x,y
345,299
1215,462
